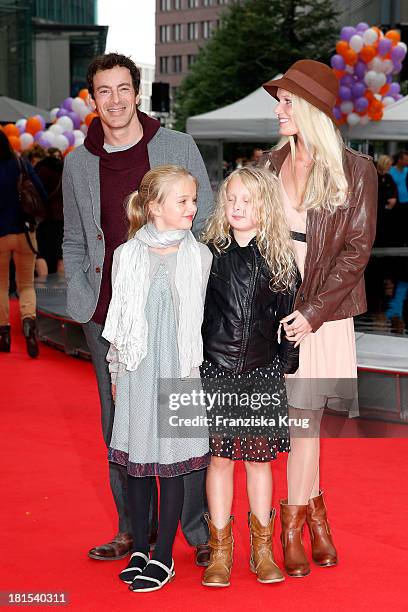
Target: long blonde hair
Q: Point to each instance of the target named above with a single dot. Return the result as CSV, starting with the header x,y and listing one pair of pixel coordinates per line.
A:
x,y
273,235
155,186
326,187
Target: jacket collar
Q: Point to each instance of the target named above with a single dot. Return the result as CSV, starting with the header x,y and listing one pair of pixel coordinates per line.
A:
x,y
278,156
234,244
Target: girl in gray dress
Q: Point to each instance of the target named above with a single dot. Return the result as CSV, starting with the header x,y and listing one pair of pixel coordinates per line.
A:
x,y
159,280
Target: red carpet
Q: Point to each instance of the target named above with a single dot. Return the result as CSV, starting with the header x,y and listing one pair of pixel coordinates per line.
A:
x,y
56,504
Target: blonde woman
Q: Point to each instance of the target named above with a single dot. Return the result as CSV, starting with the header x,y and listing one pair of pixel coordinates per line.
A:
x,y
159,279
252,286
330,199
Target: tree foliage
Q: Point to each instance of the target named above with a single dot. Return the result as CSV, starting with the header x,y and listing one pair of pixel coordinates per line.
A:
x,y
256,40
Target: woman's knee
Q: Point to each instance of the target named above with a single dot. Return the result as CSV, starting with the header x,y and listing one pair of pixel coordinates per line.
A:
x,y
221,464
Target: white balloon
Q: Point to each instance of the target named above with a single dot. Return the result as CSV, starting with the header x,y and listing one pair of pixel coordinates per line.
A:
x,y
364,119
50,136
77,133
56,129
388,66
387,100
66,123
77,104
346,107
53,113
78,141
21,123
356,43
403,45
369,77
370,36
380,80
26,141
61,142
353,119
84,112
377,65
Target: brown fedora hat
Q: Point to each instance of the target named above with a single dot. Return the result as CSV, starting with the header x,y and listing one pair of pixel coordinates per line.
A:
x,y
313,81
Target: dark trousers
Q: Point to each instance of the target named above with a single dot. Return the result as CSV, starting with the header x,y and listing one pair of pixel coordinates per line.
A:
x,y
195,504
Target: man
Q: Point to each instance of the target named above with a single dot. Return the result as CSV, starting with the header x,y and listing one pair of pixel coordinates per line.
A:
x,y
122,144
399,173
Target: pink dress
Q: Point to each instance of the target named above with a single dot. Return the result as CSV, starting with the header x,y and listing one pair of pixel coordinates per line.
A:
x,y
328,354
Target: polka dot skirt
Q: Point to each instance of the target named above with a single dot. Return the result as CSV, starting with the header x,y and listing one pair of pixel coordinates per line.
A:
x,y
252,444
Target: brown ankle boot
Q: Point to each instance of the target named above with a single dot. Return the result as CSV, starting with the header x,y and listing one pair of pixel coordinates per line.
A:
x,y
262,562
292,519
323,550
221,543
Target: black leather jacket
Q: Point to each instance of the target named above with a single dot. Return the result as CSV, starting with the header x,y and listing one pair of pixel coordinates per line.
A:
x,y
242,313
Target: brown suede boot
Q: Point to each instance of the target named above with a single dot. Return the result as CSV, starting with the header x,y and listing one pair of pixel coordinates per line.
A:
x,y
323,550
292,519
262,562
221,543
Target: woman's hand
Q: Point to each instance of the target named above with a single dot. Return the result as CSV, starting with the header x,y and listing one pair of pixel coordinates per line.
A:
x,y
298,329
113,389
391,203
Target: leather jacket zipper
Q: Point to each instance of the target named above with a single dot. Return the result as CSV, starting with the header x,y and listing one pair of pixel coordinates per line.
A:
x,y
248,314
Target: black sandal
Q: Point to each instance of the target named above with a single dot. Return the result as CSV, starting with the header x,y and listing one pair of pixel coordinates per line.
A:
x,y
132,570
159,584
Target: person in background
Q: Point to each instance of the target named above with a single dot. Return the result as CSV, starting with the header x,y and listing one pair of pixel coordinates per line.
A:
x,y
54,152
387,222
17,243
256,156
399,172
50,231
35,154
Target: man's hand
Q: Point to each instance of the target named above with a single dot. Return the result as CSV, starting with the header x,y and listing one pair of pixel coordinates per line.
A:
x,y
298,328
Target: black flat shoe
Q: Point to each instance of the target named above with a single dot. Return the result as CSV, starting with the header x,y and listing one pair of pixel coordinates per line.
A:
x,y
5,339
29,331
136,565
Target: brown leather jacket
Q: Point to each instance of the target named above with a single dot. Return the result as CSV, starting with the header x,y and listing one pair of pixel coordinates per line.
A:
x,y
338,244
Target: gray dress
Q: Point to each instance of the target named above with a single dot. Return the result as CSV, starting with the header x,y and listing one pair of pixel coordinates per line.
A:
x,y
135,441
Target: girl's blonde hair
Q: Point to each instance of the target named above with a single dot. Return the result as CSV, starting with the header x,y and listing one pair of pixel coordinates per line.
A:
x,y
383,164
326,187
273,235
155,186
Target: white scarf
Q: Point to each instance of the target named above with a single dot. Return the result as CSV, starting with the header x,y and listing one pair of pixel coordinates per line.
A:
x,y
126,325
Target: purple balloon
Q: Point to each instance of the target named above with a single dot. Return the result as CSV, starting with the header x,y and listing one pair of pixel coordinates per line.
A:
x,y
397,67
44,142
347,32
358,90
362,26
397,54
337,113
62,112
389,78
67,103
399,97
337,62
384,45
345,93
395,88
76,120
360,69
70,137
361,104
347,80
38,135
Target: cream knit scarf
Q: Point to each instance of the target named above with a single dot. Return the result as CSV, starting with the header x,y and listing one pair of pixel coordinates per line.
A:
x,y
126,325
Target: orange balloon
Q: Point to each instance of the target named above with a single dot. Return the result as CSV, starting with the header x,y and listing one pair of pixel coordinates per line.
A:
x,y
384,89
367,53
393,35
15,142
83,94
11,130
369,95
341,47
89,118
33,125
339,73
379,32
68,150
350,57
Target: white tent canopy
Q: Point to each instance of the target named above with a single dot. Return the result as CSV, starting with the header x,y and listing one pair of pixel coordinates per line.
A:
x,y
251,119
393,125
11,110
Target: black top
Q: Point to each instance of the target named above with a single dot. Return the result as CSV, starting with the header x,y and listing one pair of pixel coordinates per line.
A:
x,y
242,313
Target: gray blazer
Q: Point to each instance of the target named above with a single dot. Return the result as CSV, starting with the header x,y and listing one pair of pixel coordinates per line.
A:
x,y
84,243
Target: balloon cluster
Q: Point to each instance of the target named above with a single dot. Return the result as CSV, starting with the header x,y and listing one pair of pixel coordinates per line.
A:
x,y
68,130
365,62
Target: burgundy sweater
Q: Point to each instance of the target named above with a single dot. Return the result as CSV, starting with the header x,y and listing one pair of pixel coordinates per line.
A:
x,y
120,173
